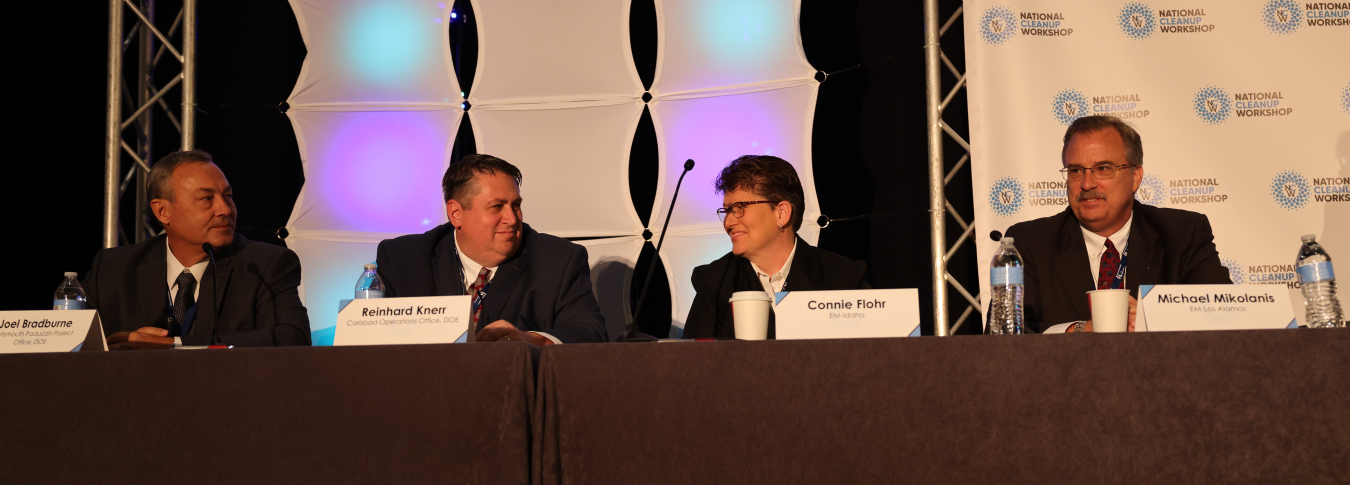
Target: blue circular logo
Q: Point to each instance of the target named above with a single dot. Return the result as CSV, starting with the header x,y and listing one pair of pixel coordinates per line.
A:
x,y
997,25
1137,20
1282,16
1235,272
1151,191
1069,105
1005,197
1345,99
1213,105
1290,190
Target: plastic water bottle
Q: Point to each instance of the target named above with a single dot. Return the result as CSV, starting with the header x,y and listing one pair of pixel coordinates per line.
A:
x,y
69,296
1005,280
370,285
1319,285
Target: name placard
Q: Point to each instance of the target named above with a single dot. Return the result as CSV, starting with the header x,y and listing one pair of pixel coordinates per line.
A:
x,y
390,321
1214,307
847,314
51,331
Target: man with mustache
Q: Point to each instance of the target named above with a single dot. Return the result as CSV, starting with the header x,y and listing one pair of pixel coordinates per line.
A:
x,y
1105,239
162,292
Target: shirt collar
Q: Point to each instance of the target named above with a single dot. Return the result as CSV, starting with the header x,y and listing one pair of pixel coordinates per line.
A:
x,y
176,268
782,273
1096,243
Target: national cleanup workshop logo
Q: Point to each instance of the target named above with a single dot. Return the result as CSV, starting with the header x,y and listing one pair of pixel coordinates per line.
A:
x,y
1137,20
1282,273
1069,105
1282,16
1290,190
1005,197
1212,104
1151,191
999,24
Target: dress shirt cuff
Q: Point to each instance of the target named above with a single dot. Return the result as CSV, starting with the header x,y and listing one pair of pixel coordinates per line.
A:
x,y
547,336
1061,328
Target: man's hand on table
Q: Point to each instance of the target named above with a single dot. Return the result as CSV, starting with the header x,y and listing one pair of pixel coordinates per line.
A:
x,y
504,331
143,338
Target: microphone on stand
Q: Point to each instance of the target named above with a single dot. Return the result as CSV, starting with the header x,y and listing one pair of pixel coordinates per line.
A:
x,y
215,294
631,334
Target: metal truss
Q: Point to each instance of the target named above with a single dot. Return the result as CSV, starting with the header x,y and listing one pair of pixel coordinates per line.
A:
x,y
938,176
144,34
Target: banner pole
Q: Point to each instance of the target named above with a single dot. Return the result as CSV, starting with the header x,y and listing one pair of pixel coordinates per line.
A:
x,y
937,210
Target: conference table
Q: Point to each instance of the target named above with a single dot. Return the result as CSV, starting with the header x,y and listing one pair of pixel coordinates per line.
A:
x,y
1265,406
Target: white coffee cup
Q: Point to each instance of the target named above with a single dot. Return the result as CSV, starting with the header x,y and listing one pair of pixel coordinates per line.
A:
x,y
1110,310
750,314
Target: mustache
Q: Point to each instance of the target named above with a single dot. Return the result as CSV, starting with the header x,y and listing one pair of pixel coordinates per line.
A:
x,y
1091,194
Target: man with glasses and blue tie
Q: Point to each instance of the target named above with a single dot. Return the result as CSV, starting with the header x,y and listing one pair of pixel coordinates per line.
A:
x,y
1105,239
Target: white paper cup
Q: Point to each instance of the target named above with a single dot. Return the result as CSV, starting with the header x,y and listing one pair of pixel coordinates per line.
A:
x,y
1110,310
750,314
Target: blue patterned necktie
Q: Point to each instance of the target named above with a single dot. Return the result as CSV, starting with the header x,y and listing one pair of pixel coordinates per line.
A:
x,y
183,299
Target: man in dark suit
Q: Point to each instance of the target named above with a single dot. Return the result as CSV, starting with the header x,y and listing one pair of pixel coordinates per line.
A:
x,y
530,286
147,294
762,207
1105,239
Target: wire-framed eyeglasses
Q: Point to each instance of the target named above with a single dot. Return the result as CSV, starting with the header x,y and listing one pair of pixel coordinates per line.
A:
x,y
1104,171
737,209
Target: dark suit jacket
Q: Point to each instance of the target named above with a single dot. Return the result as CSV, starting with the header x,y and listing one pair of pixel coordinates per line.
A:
x,y
812,269
1166,247
544,287
258,302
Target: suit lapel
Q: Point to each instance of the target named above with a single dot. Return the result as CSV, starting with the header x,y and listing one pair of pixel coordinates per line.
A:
x,y
152,288
1145,263
508,273
210,299
1071,264
805,274
445,268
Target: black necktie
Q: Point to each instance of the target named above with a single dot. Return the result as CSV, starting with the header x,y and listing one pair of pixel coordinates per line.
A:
x,y
183,299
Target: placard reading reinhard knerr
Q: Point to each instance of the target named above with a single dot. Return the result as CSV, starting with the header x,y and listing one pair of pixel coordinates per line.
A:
x,y
389,321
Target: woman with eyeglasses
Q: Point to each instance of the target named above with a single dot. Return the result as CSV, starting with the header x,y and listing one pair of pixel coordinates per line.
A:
x,y
762,205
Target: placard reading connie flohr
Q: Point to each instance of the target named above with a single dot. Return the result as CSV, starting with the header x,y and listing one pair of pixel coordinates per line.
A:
x,y
847,314
1214,307
388,321
51,331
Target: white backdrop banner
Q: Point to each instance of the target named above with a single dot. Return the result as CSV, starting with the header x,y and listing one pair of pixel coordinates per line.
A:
x,y
1243,106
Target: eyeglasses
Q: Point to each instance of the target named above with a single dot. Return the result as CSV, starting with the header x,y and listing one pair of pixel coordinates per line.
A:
x,y
1104,171
737,209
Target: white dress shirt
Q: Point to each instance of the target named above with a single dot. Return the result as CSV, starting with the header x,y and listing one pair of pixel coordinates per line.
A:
x,y
1096,246
774,283
469,273
176,268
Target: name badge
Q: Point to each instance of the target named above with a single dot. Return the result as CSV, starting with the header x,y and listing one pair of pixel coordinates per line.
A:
x,y
847,314
391,321
51,331
1214,307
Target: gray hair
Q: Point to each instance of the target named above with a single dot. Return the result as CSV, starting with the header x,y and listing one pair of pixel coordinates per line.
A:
x,y
157,184
1134,145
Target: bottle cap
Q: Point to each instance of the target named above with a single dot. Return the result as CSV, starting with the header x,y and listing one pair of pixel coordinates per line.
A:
x,y
1006,240
1307,238
370,266
72,274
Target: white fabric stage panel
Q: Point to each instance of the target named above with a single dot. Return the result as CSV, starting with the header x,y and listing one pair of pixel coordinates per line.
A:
x,y
574,161
713,44
329,269
376,171
366,55
612,261
534,52
1243,106
683,252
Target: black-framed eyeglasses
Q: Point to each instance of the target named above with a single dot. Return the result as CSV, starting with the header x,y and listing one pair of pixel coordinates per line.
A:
x,y
1104,171
737,209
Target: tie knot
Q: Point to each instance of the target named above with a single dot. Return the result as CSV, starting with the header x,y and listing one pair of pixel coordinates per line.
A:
x,y
1109,246
185,279
483,273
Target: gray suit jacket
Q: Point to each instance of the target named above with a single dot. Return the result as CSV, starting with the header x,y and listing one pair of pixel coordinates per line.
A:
x,y
257,300
544,287
1166,246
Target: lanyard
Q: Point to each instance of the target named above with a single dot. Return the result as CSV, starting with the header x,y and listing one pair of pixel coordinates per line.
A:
x,y
1118,280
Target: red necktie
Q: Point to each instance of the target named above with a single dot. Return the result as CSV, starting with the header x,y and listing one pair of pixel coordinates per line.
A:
x,y
1106,274
476,287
